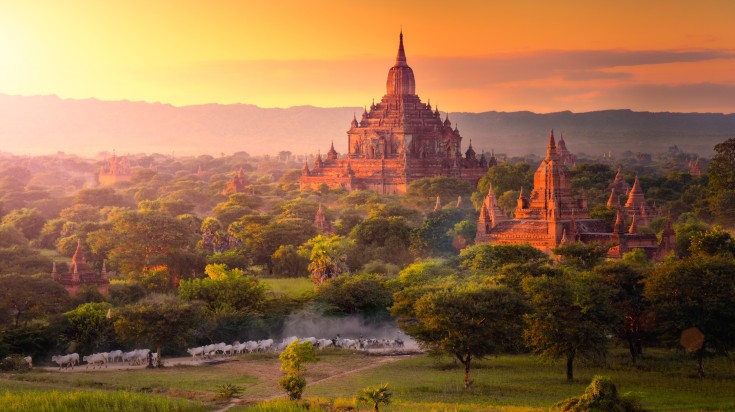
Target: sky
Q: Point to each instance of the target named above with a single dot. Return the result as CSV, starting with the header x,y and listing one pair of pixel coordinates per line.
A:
x,y
467,55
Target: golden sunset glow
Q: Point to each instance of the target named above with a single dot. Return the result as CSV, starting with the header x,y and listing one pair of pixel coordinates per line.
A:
x,y
467,55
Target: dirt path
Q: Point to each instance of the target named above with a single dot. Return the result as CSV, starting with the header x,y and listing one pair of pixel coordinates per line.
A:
x,y
378,362
118,366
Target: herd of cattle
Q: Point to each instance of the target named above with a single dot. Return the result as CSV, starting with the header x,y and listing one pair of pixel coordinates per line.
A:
x,y
143,356
269,345
134,357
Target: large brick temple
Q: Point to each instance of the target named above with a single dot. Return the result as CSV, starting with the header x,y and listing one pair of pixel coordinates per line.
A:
x,y
399,140
551,216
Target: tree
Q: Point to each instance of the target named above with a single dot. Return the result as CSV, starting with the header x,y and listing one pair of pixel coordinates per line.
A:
x,y
327,257
225,290
352,294
627,282
375,396
464,321
158,320
434,236
580,256
89,327
10,236
100,196
146,239
288,263
696,292
571,316
292,359
714,241
485,257
721,174
29,297
28,221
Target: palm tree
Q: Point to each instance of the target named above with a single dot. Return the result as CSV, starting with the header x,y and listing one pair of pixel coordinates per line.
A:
x,y
375,396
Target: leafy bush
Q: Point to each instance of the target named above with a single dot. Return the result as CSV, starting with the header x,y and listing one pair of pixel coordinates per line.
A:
x,y
14,363
228,391
601,395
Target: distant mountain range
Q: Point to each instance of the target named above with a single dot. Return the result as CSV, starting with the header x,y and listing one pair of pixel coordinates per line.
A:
x,y
47,124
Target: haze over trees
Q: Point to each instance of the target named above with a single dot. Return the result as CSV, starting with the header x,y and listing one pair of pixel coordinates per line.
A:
x,y
175,241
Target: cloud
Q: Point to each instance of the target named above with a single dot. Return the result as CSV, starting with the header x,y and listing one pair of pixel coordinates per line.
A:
x,y
541,81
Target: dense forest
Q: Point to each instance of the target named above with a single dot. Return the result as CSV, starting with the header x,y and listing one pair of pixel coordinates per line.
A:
x,y
176,234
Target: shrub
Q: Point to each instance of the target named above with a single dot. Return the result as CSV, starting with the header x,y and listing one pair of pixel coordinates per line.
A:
x,y
228,391
601,395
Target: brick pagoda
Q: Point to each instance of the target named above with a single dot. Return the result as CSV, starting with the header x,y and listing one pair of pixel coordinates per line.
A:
x,y
81,275
399,140
551,216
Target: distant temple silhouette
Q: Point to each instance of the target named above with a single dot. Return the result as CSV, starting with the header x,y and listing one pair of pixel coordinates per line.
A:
x,y
81,275
399,140
550,216
117,170
237,184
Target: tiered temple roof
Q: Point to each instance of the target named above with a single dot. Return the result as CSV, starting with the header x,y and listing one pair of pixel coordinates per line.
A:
x,y
398,140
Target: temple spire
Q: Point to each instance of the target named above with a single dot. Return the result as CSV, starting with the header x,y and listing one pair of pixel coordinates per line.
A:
x,y
401,58
551,150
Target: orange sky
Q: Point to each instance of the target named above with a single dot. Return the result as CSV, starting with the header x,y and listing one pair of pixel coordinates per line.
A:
x,y
467,55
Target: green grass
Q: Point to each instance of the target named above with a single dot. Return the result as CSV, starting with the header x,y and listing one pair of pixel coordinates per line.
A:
x,y
662,381
291,287
92,401
182,378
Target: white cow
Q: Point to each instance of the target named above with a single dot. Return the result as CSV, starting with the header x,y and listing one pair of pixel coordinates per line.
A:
x,y
63,361
196,351
96,359
29,361
115,356
265,345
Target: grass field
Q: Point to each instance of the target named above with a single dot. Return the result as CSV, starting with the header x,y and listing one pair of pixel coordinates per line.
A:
x,y
664,381
291,287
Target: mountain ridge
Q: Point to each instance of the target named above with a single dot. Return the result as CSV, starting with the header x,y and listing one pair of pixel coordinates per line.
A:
x,y
46,124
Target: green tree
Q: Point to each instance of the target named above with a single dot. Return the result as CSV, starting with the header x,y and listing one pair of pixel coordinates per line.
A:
x,y
327,257
147,239
293,359
487,258
28,221
288,263
714,241
375,396
504,177
158,320
434,236
696,292
29,297
225,291
100,196
626,280
464,321
89,327
571,316
580,256
367,294
10,236
721,174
